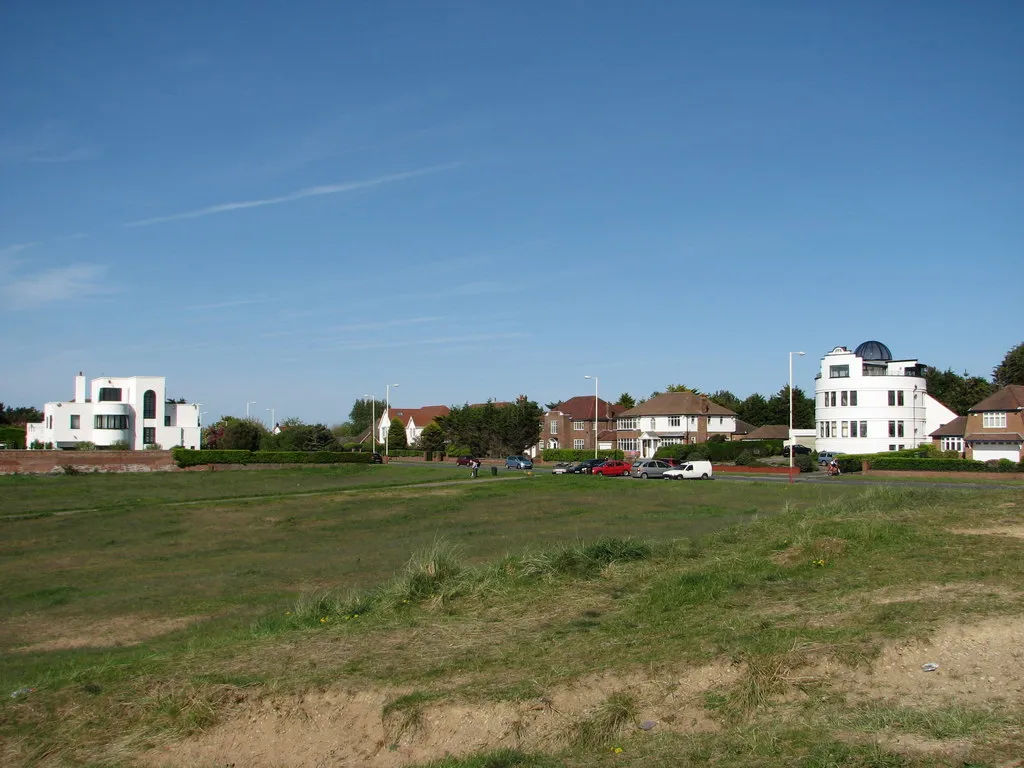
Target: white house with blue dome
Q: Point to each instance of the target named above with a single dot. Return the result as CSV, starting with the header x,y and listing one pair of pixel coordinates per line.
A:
x,y
867,402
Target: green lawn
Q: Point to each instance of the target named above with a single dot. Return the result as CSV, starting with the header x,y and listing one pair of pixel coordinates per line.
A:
x,y
187,594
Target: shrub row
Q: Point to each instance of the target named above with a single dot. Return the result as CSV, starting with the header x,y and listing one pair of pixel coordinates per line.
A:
x,y
716,451
12,437
184,457
940,465
404,452
570,454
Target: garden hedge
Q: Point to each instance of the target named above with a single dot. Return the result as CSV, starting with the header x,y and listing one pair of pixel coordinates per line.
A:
x,y
936,465
721,451
570,454
188,458
12,437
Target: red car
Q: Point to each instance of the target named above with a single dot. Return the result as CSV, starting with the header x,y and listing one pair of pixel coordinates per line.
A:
x,y
612,468
464,461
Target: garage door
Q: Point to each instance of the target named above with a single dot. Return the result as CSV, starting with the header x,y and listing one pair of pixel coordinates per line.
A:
x,y
991,451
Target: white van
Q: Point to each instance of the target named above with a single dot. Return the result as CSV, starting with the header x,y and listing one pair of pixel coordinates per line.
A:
x,y
690,470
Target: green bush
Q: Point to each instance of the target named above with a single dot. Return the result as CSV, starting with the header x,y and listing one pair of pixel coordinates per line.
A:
x,y
899,463
569,454
849,464
720,451
746,459
184,457
12,437
804,463
400,452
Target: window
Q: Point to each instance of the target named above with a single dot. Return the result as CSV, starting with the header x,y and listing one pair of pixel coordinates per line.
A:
x,y
579,426
863,429
833,399
953,444
554,428
994,420
111,422
49,422
846,429
110,394
899,397
167,421
853,397
839,372
892,397
821,429
825,430
578,444
631,423
652,423
853,429
149,404
892,428
899,429
674,421
76,421
892,447
149,435
628,444
835,432
843,397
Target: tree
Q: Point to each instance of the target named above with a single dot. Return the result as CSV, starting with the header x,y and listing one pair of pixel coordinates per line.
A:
x,y
493,430
396,434
626,400
672,388
726,399
754,410
319,438
19,416
233,434
778,409
431,438
552,406
1011,370
362,413
956,392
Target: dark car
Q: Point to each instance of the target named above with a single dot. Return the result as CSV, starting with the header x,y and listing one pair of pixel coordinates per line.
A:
x,y
376,458
798,450
464,461
586,467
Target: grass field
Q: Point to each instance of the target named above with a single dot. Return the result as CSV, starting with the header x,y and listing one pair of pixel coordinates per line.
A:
x,y
388,616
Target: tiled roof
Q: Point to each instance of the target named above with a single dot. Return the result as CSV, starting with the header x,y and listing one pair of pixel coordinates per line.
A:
x,y
1009,398
995,437
582,407
422,416
954,428
743,428
769,432
679,404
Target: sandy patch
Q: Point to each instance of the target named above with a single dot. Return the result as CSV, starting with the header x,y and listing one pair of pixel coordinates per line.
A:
x,y
121,631
940,592
1014,531
978,664
345,727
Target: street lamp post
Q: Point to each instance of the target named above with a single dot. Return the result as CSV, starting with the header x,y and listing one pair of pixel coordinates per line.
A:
x,y
387,405
273,419
791,442
373,423
596,411
247,404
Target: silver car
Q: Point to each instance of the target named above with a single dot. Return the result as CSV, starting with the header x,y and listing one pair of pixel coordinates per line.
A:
x,y
645,468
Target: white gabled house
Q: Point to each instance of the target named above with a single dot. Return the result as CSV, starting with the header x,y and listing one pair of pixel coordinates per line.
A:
x,y
672,418
413,419
133,410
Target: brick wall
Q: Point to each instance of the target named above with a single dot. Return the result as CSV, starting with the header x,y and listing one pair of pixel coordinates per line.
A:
x,y
43,462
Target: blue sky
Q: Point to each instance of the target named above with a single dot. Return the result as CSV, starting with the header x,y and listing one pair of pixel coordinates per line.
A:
x,y
297,204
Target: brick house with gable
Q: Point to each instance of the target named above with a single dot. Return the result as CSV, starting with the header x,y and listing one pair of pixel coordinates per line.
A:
x,y
571,424
992,430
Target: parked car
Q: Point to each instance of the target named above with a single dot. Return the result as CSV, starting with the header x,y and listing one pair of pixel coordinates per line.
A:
x,y
612,468
464,461
376,458
645,468
691,470
588,465
518,462
798,450
672,462
562,468
825,457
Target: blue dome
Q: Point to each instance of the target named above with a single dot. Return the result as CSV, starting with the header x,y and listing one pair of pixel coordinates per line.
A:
x,y
873,350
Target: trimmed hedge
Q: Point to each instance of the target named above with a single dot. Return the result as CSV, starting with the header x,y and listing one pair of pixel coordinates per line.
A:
x,y
570,454
12,437
923,465
184,457
721,451
400,452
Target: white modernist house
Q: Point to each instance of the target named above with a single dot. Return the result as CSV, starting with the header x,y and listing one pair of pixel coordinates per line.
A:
x,y
866,402
132,409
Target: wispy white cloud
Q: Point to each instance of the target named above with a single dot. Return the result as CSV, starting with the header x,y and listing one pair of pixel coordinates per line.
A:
x,y
73,282
440,340
370,326
329,189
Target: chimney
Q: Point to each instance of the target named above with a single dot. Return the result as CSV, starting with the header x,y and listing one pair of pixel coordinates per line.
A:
x,y
704,407
79,388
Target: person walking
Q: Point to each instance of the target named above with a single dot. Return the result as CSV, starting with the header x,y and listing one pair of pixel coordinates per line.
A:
x,y
475,465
